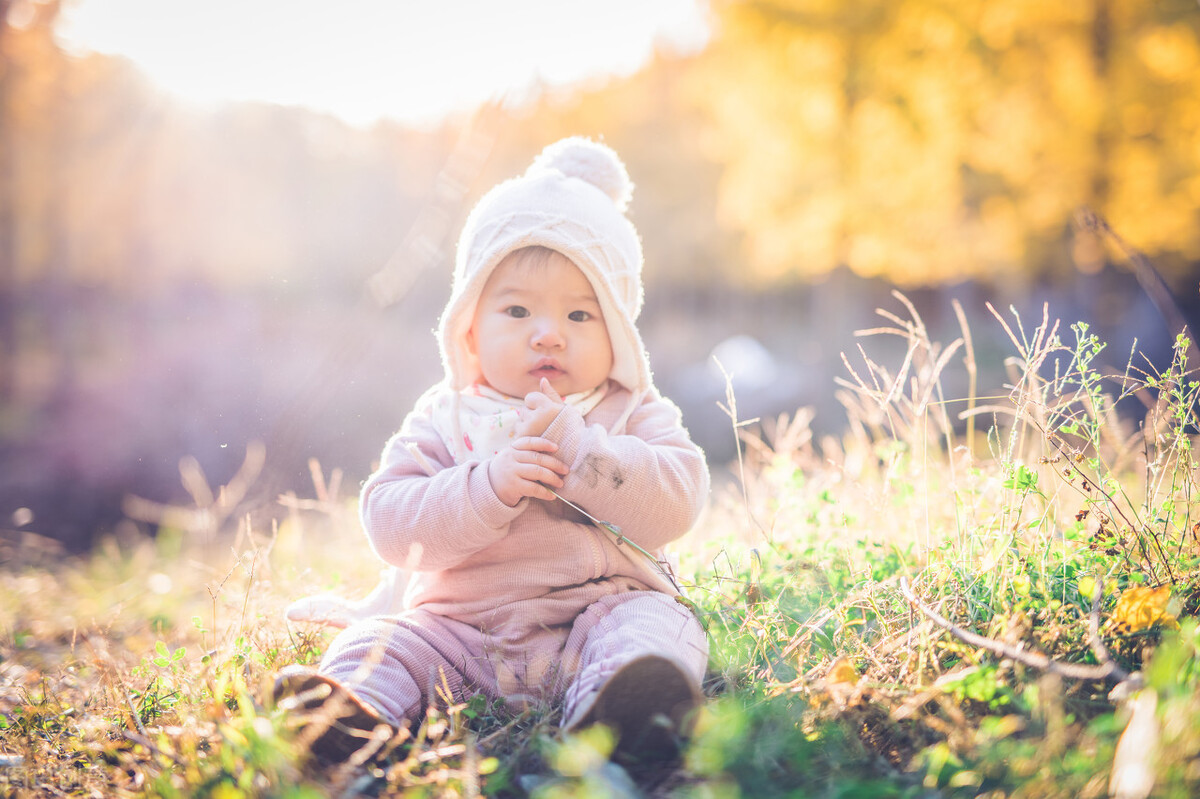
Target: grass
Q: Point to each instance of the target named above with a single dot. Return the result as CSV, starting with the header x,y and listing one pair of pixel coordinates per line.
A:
x,y
841,582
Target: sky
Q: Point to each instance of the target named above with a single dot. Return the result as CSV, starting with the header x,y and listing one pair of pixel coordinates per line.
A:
x,y
362,60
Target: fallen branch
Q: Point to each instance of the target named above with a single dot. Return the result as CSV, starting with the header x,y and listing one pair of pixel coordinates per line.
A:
x,y
1106,669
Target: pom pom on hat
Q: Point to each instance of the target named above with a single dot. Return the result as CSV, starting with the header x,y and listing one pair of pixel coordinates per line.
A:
x,y
590,161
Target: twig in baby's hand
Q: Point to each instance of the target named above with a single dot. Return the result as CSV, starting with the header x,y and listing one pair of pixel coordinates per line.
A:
x,y
620,536
612,528
1107,669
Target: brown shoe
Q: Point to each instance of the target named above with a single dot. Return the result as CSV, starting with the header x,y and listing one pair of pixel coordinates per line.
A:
x,y
334,723
648,703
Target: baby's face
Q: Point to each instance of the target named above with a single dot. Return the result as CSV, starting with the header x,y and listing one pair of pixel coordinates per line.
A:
x,y
539,317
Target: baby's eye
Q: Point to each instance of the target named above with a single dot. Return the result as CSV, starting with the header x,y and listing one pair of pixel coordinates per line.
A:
x,y
517,311
579,316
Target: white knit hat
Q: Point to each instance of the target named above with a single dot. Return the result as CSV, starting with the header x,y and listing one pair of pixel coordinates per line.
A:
x,y
572,199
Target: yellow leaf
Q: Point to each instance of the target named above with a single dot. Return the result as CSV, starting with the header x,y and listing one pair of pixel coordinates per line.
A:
x,y
841,672
227,791
1139,608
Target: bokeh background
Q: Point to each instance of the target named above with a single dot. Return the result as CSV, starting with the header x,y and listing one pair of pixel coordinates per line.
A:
x,y
180,279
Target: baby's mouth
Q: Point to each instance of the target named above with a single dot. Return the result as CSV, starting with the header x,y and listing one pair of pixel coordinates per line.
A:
x,y
547,369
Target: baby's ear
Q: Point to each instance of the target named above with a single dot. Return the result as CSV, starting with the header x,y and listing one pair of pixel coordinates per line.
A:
x,y
469,340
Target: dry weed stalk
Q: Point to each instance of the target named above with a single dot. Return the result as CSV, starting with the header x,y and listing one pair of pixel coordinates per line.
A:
x,y
211,510
899,405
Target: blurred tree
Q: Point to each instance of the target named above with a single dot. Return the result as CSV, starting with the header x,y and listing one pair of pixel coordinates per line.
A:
x,y
28,72
7,224
928,140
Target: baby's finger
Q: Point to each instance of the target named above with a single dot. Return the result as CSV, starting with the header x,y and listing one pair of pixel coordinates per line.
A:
x,y
540,491
549,391
534,444
547,463
540,476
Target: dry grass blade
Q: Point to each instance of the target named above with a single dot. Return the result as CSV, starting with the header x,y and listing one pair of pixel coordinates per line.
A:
x,y
971,366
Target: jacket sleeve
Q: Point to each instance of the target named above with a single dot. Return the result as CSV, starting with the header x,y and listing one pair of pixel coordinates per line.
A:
x,y
652,481
423,512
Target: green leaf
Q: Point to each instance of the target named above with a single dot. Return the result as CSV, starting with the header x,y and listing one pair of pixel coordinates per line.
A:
x,y
822,639
1024,479
161,649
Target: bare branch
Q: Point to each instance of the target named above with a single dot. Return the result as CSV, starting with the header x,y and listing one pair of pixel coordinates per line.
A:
x,y
1107,669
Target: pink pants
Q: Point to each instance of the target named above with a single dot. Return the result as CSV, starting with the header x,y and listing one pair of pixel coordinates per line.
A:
x,y
403,664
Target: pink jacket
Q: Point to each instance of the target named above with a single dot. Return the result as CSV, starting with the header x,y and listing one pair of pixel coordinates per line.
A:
x,y
470,553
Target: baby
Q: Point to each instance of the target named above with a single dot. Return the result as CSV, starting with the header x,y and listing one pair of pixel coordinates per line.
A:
x,y
530,493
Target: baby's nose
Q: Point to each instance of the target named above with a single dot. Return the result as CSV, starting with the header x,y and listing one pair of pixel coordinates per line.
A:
x,y
547,334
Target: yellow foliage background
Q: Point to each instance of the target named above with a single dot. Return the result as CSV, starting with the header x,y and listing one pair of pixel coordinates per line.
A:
x,y
930,141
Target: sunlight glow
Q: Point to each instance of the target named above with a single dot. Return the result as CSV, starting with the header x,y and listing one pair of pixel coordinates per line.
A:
x,y
367,59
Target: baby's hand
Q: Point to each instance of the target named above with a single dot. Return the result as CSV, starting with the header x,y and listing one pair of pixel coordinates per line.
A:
x,y
524,469
544,405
